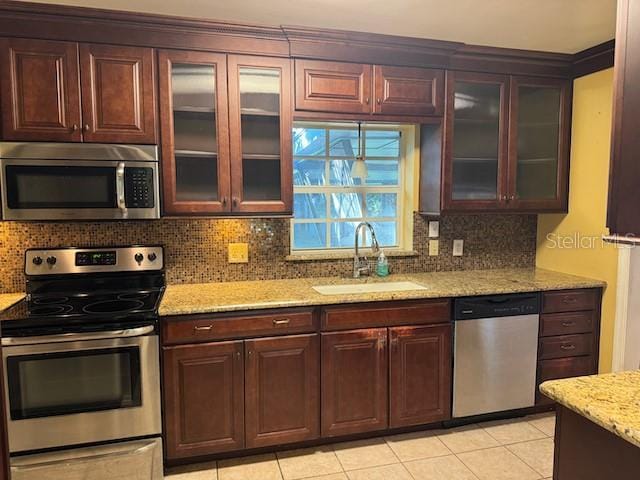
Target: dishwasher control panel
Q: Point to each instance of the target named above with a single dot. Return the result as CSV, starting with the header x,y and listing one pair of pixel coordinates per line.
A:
x,y
491,306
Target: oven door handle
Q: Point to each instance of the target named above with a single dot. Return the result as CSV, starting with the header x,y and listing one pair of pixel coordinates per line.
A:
x,y
77,337
120,190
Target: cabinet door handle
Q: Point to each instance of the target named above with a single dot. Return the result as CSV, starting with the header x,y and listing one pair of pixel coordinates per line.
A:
x,y
224,201
234,202
74,128
379,102
512,197
281,321
568,324
238,356
86,127
382,342
568,347
203,328
366,100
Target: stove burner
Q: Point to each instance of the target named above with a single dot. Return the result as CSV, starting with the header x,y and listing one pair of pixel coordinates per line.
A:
x,y
50,310
133,296
113,306
50,300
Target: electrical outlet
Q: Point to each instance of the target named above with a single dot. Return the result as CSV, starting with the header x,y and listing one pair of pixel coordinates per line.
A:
x,y
238,253
458,248
434,248
434,229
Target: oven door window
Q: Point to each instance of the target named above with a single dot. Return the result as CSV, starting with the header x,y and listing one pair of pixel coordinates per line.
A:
x,y
64,383
59,187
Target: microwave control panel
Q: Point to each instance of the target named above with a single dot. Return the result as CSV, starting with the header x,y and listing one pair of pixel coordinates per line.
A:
x,y
138,187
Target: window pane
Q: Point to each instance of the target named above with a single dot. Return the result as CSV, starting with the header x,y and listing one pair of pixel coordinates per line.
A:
x,y
386,233
343,143
308,172
346,205
309,141
383,172
379,172
343,234
382,205
309,235
310,205
382,143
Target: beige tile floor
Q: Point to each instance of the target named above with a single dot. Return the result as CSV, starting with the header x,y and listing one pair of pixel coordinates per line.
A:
x,y
520,449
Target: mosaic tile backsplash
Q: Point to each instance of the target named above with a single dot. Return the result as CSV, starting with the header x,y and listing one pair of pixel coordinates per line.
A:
x,y
196,249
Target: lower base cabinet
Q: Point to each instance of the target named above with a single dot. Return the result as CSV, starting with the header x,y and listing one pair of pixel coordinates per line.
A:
x,y
420,369
225,396
354,382
282,390
204,398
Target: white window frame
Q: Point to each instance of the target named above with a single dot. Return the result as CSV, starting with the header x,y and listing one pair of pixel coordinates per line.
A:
x,y
404,189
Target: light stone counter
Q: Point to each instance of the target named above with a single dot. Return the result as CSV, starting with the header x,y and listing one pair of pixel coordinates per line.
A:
x,y
252,295
610,400
9,299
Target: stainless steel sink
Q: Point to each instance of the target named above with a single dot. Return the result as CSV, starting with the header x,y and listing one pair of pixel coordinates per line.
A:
x,y
379,287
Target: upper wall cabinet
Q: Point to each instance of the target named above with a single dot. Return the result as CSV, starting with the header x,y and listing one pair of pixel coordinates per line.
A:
x,y
62,91
354,88
624,178
506,146
226,133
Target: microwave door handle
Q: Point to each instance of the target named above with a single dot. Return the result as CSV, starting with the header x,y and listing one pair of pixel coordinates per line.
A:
x,y
122,204
76,337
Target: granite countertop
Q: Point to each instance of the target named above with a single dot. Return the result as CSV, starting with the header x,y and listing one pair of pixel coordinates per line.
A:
x,y
251,295
610,400
9,299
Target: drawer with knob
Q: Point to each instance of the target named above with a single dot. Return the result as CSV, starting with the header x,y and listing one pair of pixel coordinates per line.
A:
x,y
570,300
203,328
565,346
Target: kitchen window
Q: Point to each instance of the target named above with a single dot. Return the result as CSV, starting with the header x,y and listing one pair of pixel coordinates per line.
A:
x,y
329,202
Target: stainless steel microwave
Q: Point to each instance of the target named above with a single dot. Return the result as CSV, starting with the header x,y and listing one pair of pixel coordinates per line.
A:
x,y
79,181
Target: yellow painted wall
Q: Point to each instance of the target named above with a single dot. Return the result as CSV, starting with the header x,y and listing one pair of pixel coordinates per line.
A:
x,y
571,243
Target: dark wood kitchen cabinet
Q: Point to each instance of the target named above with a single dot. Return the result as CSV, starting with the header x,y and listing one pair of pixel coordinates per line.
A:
x,y
203,398
195,132
65,91
354,382
260,131
420,375
282,394
624,175
506,146
568,344
40,91
354,88
226,134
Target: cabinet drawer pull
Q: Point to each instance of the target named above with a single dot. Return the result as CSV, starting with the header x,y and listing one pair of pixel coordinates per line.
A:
x,y
567,300
568,347
281,321
568,324
203,328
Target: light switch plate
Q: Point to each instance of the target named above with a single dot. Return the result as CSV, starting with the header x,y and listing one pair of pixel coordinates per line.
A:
x,y
238,253
434,248
458,248
434,229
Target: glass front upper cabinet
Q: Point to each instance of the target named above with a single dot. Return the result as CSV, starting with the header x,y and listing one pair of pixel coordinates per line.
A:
x,y
195,136
538,143
260,128
476,140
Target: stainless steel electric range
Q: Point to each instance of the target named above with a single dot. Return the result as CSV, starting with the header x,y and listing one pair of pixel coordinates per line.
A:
x,y
81,363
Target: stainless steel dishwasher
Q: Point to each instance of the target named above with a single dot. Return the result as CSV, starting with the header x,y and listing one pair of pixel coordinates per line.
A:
x,y
495,348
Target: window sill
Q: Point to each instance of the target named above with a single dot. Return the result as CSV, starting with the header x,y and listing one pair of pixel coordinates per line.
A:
x,y
344,255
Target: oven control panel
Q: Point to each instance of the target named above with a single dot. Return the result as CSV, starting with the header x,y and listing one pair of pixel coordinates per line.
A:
x,y
60,261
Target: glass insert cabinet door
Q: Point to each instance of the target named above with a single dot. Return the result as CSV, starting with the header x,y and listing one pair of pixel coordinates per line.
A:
x,y
260,131
476,137
538,142
195,137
